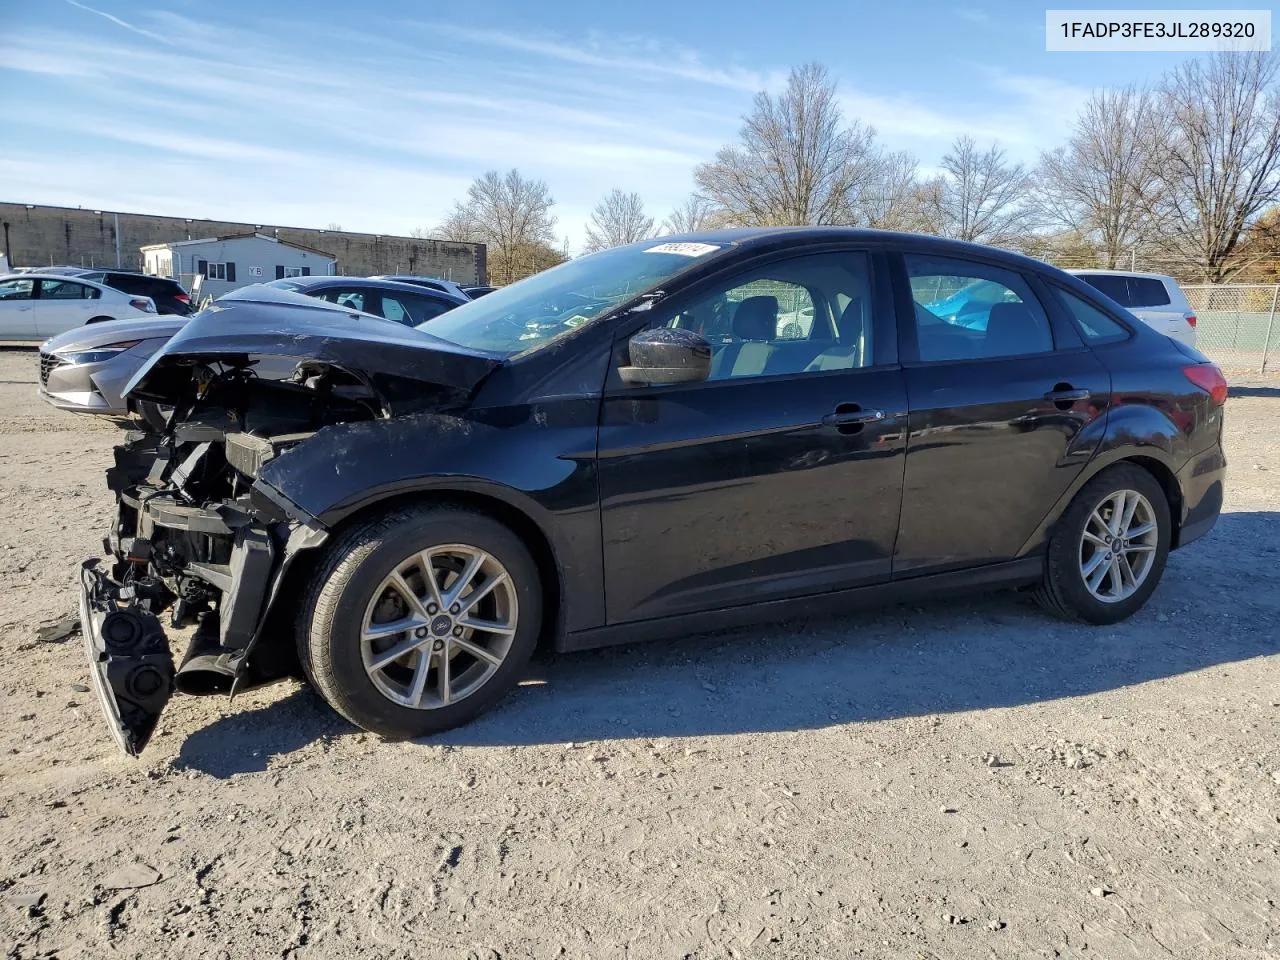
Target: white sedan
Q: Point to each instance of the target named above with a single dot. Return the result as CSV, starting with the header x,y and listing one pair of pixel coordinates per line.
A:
x,y
35,306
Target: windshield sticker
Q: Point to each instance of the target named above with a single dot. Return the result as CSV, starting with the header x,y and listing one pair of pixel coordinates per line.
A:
x,y
684,249
576,320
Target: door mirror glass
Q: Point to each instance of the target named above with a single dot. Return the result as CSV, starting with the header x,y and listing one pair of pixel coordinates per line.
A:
x,y
666,355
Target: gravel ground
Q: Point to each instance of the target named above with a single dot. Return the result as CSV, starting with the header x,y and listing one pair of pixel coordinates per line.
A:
x,y
947,780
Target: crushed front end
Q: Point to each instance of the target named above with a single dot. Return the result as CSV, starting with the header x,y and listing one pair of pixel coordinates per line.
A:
x,y
201,544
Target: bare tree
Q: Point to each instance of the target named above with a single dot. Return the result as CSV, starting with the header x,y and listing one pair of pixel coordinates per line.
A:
x,y
1103,182
617,219
980,197
333,227
796,161
512,216
894,198
1221,164
696,213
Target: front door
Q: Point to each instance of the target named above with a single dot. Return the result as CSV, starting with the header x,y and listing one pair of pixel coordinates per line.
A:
x,y
17,309
999,397
780,475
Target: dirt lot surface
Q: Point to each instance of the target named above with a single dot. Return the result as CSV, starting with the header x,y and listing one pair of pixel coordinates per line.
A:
x,y
952,780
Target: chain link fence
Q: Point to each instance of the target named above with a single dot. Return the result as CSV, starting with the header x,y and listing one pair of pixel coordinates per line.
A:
x,y
1237,325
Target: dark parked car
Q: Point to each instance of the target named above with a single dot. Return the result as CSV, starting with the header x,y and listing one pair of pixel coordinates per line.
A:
x,y
478,291
431,283
405,303
169,296
671,436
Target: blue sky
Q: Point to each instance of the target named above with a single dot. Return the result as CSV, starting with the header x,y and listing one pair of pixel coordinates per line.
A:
x,y
376,115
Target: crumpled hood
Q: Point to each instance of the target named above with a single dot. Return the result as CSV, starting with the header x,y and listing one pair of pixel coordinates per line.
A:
x,y
269,326
95,335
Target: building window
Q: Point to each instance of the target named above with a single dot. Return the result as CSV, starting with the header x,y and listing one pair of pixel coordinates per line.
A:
x,y
293,271
215,271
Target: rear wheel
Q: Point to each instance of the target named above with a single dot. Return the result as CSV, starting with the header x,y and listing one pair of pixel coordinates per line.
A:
x,y
99,320
1108,552
421,620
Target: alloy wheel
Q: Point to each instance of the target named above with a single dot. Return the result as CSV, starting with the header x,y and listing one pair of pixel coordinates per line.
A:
x,y
439,626
1118,546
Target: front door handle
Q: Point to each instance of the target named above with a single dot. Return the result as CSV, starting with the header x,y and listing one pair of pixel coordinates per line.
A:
x,y
850,418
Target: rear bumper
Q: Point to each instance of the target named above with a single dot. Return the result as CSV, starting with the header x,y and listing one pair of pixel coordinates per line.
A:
x,y
1202,482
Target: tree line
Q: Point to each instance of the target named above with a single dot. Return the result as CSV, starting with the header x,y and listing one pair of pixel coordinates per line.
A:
x,y
1184,173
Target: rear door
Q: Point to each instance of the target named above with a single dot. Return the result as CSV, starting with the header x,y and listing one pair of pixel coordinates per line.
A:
x,y
781,474
996,407
66,304
17,309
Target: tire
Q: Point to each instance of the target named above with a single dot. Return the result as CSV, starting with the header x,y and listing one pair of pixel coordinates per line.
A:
x,y
98,320
1064,591
153,415
341,600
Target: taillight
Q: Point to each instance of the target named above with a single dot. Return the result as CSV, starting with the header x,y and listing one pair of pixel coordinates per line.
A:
x,y
183,298
144,304
1191,320
1208,378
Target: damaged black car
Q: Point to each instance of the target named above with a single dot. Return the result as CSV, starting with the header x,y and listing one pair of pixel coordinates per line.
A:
x,y
681,434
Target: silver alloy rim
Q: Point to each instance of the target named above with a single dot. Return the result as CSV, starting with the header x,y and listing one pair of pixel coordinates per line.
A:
x,y
1118,546
439,626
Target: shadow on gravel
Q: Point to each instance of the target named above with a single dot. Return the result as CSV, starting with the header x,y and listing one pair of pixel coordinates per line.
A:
x,y
1253,392
1219,603
245,741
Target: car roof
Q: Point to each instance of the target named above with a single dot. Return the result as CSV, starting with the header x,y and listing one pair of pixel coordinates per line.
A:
x,y
45,275
744,238
1122,273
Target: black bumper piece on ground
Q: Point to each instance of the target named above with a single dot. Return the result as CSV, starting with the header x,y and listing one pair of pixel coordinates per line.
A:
x,y
130,665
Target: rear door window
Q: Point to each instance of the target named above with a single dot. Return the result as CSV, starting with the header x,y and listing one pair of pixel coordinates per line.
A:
x,y
1114,287
67,290
966,310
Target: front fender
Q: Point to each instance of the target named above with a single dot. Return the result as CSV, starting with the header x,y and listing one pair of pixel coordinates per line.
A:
x,y
349,468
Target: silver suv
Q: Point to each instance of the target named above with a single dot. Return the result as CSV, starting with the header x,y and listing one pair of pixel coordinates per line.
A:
x,y
1153,298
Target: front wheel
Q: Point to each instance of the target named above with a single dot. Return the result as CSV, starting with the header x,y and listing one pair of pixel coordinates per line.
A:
x,y
1108,552
421,620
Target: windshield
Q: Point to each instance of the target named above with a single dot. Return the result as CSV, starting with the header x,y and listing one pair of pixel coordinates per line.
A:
x,y
535,311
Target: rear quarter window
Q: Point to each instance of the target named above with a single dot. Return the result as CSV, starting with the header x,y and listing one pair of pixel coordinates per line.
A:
x,y
1147,292
1094,325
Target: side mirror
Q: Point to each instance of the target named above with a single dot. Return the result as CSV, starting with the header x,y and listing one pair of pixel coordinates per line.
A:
x,y
666,355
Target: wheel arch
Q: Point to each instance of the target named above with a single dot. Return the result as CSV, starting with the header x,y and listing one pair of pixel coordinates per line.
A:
x,y
1154,460
501,504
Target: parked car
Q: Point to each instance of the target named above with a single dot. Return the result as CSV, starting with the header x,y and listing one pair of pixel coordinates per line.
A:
x,y
37,305
1153,298
169,296
431,283
85,370
475,292
629,445
406,303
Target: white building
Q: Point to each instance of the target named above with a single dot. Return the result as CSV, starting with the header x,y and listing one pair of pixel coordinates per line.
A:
x,y
226,263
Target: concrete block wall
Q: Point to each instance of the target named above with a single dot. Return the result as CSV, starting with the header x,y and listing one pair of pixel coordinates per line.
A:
x,y
44,235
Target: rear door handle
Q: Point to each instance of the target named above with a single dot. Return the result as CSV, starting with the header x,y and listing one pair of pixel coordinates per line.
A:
x,y
850,417
1067,396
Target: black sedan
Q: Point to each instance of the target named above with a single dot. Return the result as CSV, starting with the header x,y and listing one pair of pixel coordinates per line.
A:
x,y
671,436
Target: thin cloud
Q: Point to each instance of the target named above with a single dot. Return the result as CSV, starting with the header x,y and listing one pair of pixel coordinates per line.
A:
x,y
681,64
118,22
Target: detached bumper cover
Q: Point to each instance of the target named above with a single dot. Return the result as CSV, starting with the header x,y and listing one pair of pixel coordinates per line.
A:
x,y
130,664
